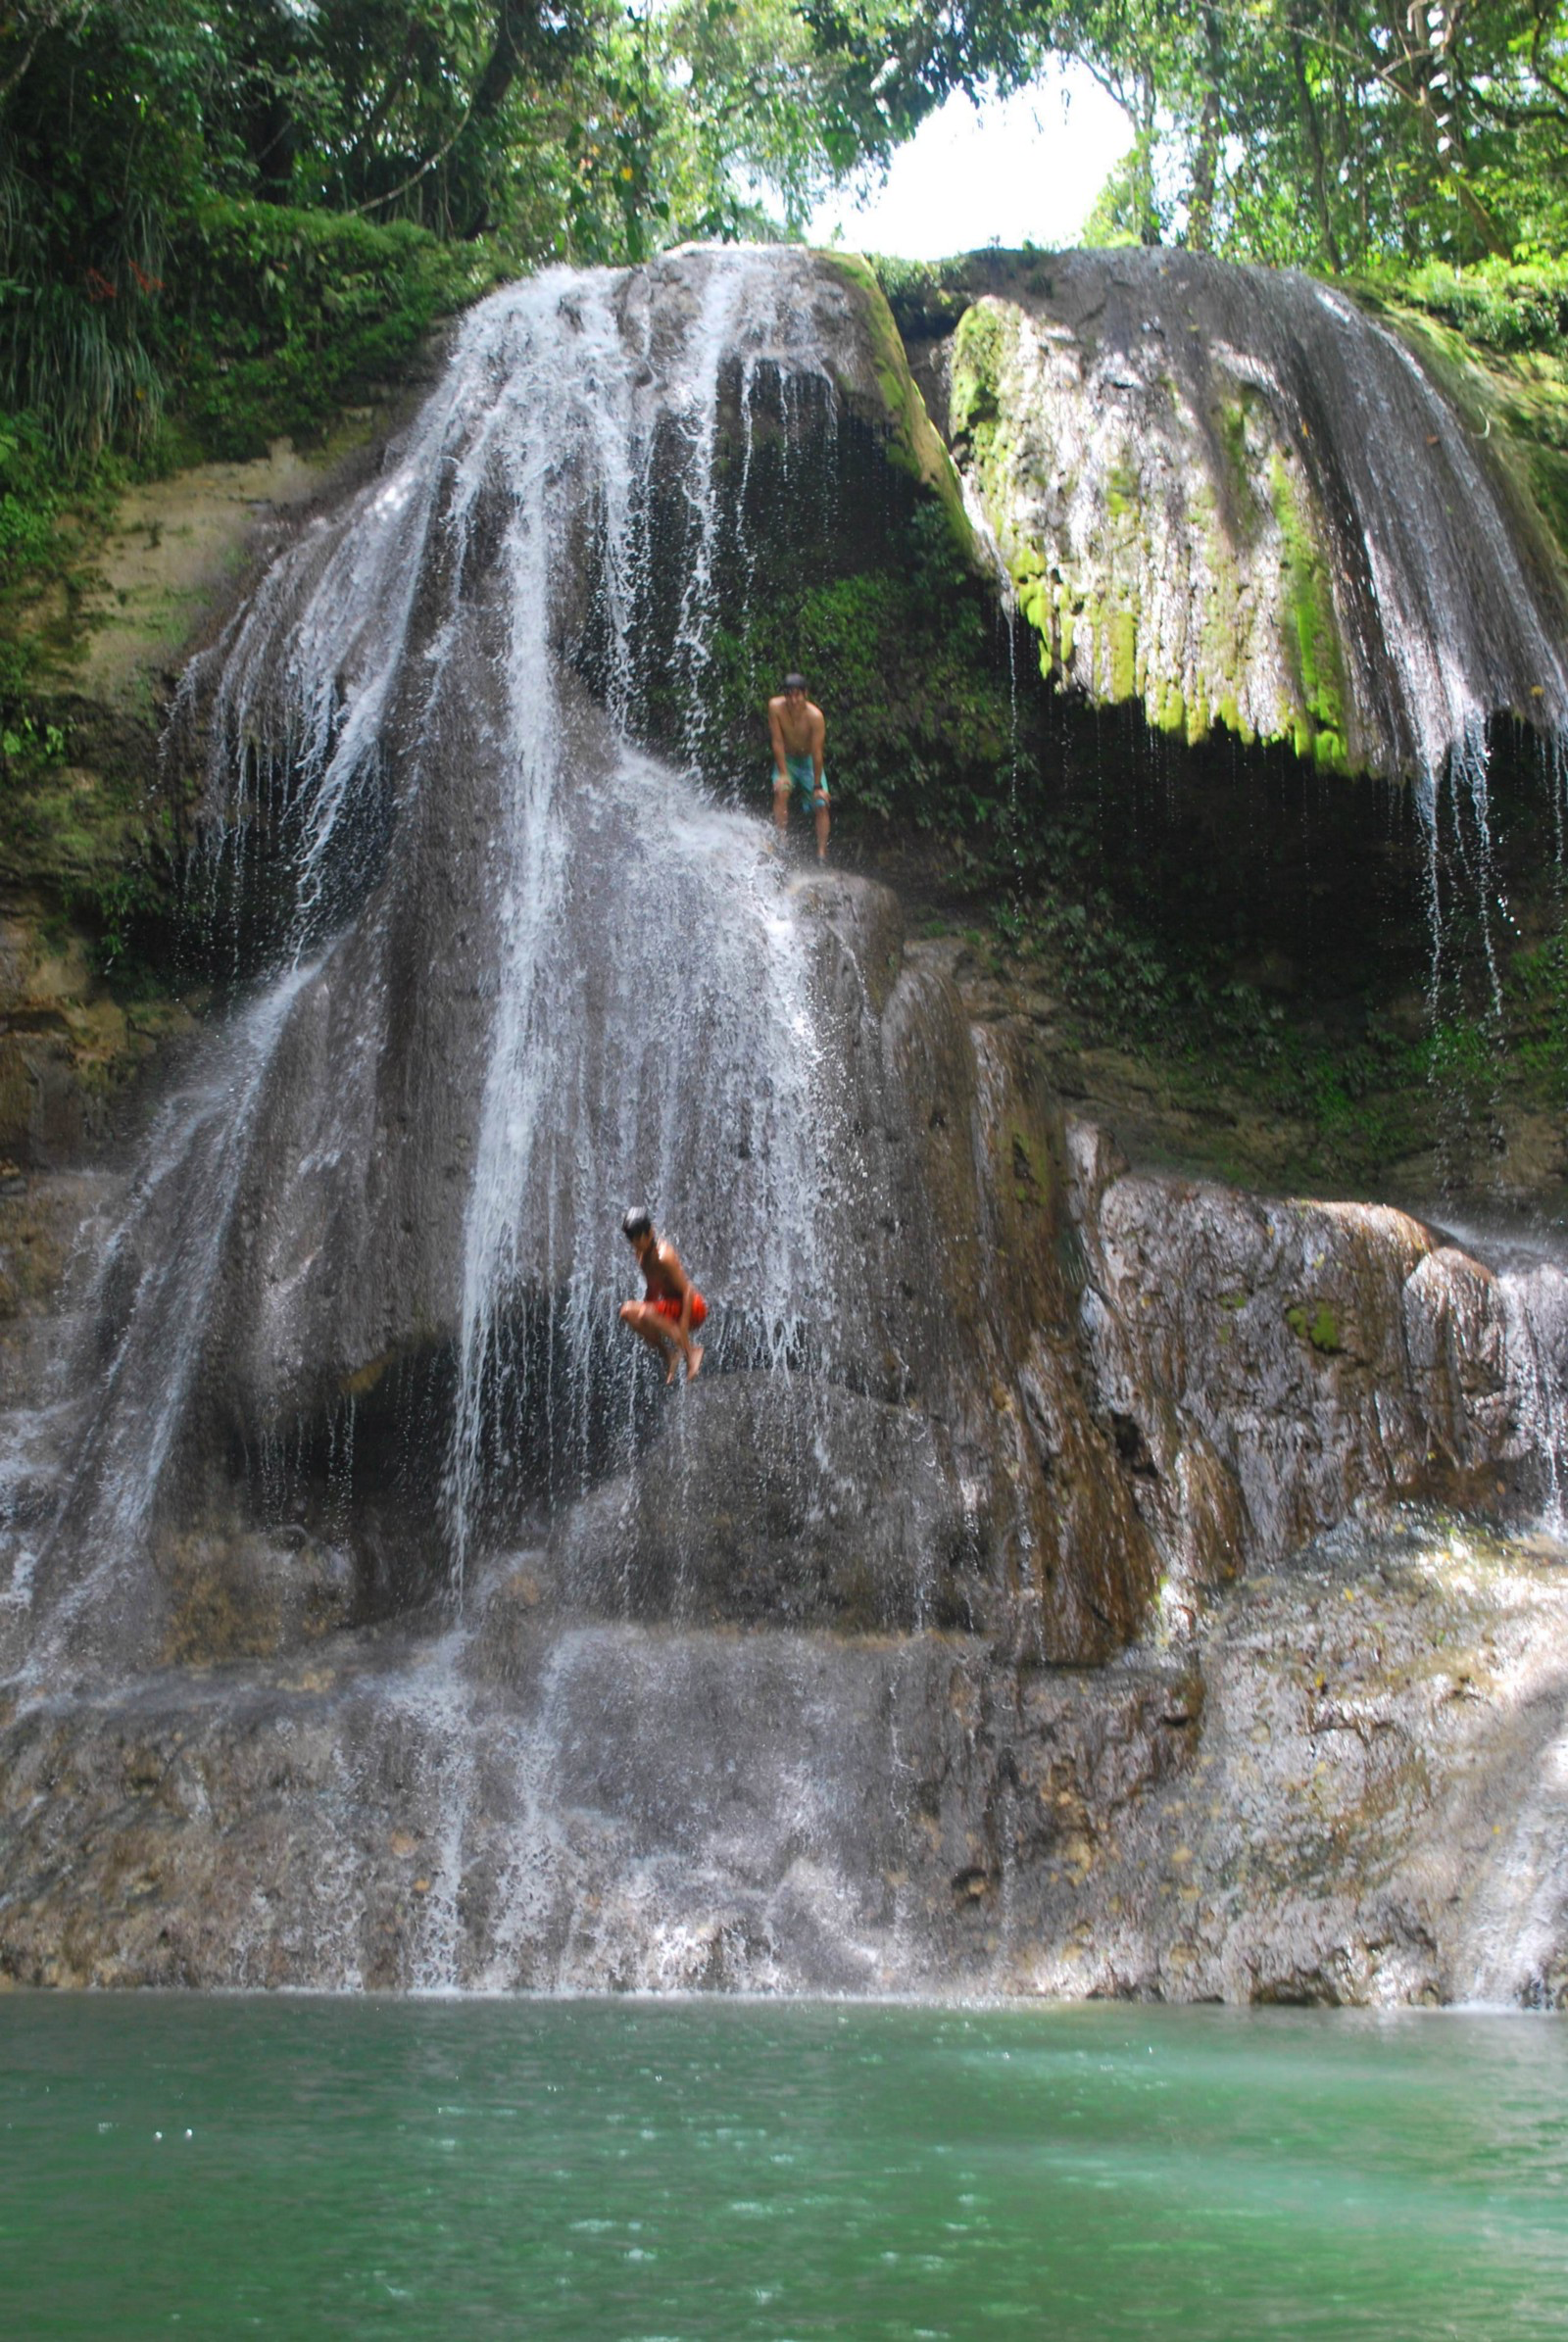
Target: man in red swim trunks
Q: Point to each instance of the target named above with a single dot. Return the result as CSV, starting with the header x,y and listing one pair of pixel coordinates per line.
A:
x,y
671,1308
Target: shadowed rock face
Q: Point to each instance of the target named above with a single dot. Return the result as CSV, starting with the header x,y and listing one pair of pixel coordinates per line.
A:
x,y
375,1618
1227,493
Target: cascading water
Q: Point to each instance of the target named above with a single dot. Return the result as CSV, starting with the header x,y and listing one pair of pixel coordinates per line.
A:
x,y
351,1411
1234,496
634,985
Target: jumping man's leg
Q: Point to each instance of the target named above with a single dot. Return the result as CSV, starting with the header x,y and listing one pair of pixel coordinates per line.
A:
x,y
660,1335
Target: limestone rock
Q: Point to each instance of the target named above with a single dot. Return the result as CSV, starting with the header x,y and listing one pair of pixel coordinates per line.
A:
x,y
1189,468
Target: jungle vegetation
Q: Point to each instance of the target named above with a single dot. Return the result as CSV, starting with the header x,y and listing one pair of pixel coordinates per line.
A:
x,y
220,219
191,190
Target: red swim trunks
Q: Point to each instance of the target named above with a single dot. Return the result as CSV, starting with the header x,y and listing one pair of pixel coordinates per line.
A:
x,y
668,1306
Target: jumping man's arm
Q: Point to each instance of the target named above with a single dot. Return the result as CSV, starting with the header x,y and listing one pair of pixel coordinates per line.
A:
x,y
672,1263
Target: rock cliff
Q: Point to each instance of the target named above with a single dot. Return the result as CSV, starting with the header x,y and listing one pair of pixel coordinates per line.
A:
x,y
1062,1578
1232,494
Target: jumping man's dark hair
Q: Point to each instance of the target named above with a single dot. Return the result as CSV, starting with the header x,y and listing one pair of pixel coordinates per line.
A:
x,y
637,1222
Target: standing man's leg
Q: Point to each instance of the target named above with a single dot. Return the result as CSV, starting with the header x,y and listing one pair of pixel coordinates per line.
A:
x,y
822,802
781,802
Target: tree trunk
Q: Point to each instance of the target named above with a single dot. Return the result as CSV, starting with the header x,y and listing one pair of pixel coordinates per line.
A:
x,y
1206,170
1205,162
1314,132
1148,211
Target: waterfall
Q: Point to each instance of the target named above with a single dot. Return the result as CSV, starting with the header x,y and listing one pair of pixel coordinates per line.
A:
x,y
858,1663
622,994
1234,495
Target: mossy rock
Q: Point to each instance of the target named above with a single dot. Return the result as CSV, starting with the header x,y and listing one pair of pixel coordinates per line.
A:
x,y
913,440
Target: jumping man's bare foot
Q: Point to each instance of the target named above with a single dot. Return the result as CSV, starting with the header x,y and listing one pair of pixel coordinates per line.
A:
x,y
693,1364
674,1366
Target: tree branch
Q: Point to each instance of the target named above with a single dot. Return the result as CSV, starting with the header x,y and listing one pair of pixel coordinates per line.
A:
x,y
52,22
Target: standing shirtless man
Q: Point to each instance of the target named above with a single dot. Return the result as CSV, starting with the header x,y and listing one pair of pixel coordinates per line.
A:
x,y
798,729
671,1308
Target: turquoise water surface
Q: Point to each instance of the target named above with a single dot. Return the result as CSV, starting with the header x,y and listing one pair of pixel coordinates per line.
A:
x,y
616,2171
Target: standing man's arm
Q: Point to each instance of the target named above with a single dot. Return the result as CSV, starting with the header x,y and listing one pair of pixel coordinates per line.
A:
x,y
819,730
781,778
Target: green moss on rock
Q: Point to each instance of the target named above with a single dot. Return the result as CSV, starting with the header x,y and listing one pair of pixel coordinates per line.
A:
x,y
913,440
1317,1325
1515,403
1121,643
1309,626
979,350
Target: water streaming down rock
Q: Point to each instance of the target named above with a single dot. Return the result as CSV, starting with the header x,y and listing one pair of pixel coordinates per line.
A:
x,y
980,1407
537,1011
1233,496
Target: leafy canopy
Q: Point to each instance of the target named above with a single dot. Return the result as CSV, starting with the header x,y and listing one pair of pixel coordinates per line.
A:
x,y
1340,133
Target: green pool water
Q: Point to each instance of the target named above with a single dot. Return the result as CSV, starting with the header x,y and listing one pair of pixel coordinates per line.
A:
x,y
602,2170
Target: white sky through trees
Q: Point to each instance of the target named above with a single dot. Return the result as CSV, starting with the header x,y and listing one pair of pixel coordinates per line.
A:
x,y
1014,171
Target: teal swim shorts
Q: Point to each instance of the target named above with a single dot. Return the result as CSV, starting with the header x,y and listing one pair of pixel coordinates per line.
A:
x,y
802,773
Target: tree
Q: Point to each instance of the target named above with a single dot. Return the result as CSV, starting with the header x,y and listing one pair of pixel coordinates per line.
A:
x,y
1342,134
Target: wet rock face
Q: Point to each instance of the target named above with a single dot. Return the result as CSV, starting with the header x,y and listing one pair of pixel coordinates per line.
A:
x,y
1344,1787
1367,1803
766,1710
774,1502
928,1456
1275,1336
827,1686
1269,1366
1228,494
400,1627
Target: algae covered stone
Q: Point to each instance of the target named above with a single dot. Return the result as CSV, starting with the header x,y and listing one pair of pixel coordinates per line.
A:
x,y
1230,495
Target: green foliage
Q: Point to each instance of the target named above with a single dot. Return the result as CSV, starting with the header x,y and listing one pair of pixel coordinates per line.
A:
x,y
289,312
88,843
31,741
1356,1095
100,148
1125,210
30,503
1363,1094
1536,1004
242,208
1298,131
1501,305
907,657
927,298
51,511
125,913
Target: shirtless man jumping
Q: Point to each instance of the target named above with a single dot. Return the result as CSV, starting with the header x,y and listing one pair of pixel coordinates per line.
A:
x,y
671,1308
797,728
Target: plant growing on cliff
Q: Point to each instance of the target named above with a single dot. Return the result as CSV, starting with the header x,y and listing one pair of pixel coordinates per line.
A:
x,y
912,663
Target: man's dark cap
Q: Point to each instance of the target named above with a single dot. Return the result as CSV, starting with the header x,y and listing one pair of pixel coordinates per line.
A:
x,y
795,682
638,1222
